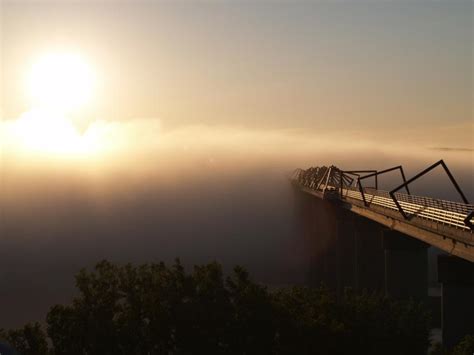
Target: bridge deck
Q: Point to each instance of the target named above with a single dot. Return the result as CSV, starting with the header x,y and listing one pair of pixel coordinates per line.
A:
x,y
437,222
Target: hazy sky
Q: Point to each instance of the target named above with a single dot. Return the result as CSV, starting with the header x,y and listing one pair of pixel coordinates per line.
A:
x,y
370,66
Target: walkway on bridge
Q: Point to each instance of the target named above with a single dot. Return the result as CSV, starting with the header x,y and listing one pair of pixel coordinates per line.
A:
x,y
446,225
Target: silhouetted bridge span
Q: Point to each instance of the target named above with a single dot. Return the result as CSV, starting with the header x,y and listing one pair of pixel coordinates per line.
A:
x,y
444,224
367,238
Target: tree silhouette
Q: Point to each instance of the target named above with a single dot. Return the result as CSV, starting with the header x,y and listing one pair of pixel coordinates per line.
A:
x,y
160,309
29,340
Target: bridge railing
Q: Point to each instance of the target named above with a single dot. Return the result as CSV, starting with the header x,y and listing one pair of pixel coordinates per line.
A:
x,y
454,214
450,206
440,211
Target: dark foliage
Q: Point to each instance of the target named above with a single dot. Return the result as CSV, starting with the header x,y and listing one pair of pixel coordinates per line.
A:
x,y
29,340
159,309
465,347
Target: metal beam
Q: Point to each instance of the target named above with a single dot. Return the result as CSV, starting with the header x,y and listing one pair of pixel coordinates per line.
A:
x,y
417,176
377,173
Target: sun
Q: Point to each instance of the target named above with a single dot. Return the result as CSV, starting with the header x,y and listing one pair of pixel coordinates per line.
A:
x,y
60,81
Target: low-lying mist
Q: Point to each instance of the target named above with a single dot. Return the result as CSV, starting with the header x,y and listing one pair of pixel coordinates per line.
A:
x,y
198,193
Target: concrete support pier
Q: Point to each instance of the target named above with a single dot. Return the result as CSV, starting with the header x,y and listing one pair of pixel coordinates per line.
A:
x,y
369,255
406,266
346,246
457,311
325,261
346,249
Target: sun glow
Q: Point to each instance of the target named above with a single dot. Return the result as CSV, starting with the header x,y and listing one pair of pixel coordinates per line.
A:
x,y
46,131
58,85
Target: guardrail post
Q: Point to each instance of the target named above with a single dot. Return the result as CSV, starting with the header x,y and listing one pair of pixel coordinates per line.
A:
x,y
341,187
361,189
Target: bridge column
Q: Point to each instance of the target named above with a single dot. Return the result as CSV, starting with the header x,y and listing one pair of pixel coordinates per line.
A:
x,y
346,250
457,299
369,255
330,235
307,223
325,241
406,266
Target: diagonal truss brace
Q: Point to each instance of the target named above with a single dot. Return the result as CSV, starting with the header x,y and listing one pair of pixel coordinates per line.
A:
x,y
417,176
359,184
377,173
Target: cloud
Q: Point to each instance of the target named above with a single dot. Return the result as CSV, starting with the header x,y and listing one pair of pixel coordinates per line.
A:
x,y
145,147
453,149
